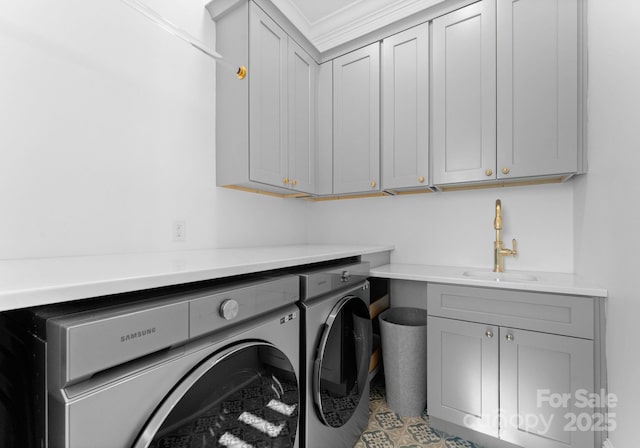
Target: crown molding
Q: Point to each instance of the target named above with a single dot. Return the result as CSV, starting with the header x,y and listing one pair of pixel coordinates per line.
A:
x,y
293,13
352,21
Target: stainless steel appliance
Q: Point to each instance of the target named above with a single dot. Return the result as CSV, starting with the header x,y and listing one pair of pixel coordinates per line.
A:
x,y
337,337
212,367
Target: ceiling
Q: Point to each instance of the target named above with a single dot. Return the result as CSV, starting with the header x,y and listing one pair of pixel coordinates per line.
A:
x,y
329,23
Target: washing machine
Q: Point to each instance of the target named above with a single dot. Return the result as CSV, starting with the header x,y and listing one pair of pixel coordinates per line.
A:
x,y
212,367
336,352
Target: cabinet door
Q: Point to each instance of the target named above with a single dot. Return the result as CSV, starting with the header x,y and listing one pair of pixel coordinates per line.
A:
x,y
405,109
356,121
325,129
267,100
302,119
533,366
464,94
462,373
538,95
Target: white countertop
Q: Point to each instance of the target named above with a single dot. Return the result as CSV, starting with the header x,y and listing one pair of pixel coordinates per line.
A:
x,y
551,282
41,281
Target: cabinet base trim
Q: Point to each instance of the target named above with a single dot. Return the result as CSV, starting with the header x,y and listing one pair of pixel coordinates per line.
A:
x,y
353,196
505,183
267,193
468,434
402,192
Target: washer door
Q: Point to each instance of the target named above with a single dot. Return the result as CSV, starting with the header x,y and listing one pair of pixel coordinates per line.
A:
x,y
244,396
341,368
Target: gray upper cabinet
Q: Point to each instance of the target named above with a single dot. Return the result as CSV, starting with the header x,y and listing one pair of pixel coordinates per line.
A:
x,y
464,94
265,124
528,126
538,94
325,129
302,119
356,121
492,92
268,84
405,109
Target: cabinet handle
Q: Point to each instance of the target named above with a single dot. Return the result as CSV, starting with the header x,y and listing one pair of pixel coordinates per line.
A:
x,y
421,179
505,170
373,183
489,334
488,172
242,72
509,337
285,180
294,182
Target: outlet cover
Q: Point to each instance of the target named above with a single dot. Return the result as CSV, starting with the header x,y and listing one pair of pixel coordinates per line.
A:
x,y
180,231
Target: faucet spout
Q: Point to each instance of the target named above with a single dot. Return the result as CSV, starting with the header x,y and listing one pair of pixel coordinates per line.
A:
x,y
499,252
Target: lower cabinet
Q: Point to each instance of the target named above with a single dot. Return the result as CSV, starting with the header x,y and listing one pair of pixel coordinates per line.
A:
x,y
462,373
525,387
537,372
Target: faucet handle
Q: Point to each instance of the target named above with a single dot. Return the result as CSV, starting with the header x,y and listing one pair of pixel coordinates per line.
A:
x,y
514,250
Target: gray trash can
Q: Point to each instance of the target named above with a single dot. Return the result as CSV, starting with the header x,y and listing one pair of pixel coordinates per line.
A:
x,y
404,356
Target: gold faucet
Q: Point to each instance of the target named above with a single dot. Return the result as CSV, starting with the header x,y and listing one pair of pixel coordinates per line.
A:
x,y
498,251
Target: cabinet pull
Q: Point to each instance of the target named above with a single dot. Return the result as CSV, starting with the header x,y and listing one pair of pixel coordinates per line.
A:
x,y
421,179
242,72
294,182
488,172
505,170
509,337
285,180
373,183
489,334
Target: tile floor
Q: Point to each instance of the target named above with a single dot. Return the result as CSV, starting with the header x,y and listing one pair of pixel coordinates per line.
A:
x,y
387,429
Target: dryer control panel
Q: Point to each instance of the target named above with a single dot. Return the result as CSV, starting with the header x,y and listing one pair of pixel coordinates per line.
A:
x,y
323,281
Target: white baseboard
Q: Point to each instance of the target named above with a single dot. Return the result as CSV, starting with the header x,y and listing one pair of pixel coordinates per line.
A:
x,y
607,444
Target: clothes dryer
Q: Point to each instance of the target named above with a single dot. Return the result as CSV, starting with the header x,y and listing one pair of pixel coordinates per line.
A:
x,y
337,337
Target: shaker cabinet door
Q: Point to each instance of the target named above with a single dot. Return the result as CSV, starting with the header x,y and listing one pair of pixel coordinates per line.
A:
x,y
268,84
464,95
536,369
538,95
462,373
356,121
405,109
302,119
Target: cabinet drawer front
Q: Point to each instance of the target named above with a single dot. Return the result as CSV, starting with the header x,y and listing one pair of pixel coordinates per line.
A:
x,y
550,313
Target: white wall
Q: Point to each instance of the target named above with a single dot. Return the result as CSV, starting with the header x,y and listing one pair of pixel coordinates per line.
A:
x,y
607,208
107,135
456,228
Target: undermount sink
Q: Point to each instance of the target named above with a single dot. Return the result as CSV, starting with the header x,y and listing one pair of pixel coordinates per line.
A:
x,y
501,276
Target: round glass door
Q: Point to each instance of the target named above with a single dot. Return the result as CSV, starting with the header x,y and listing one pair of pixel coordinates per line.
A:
x,y
342,365
246,396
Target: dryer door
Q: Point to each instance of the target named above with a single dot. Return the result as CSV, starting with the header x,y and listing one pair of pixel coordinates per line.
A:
x,y
246,395
342,364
